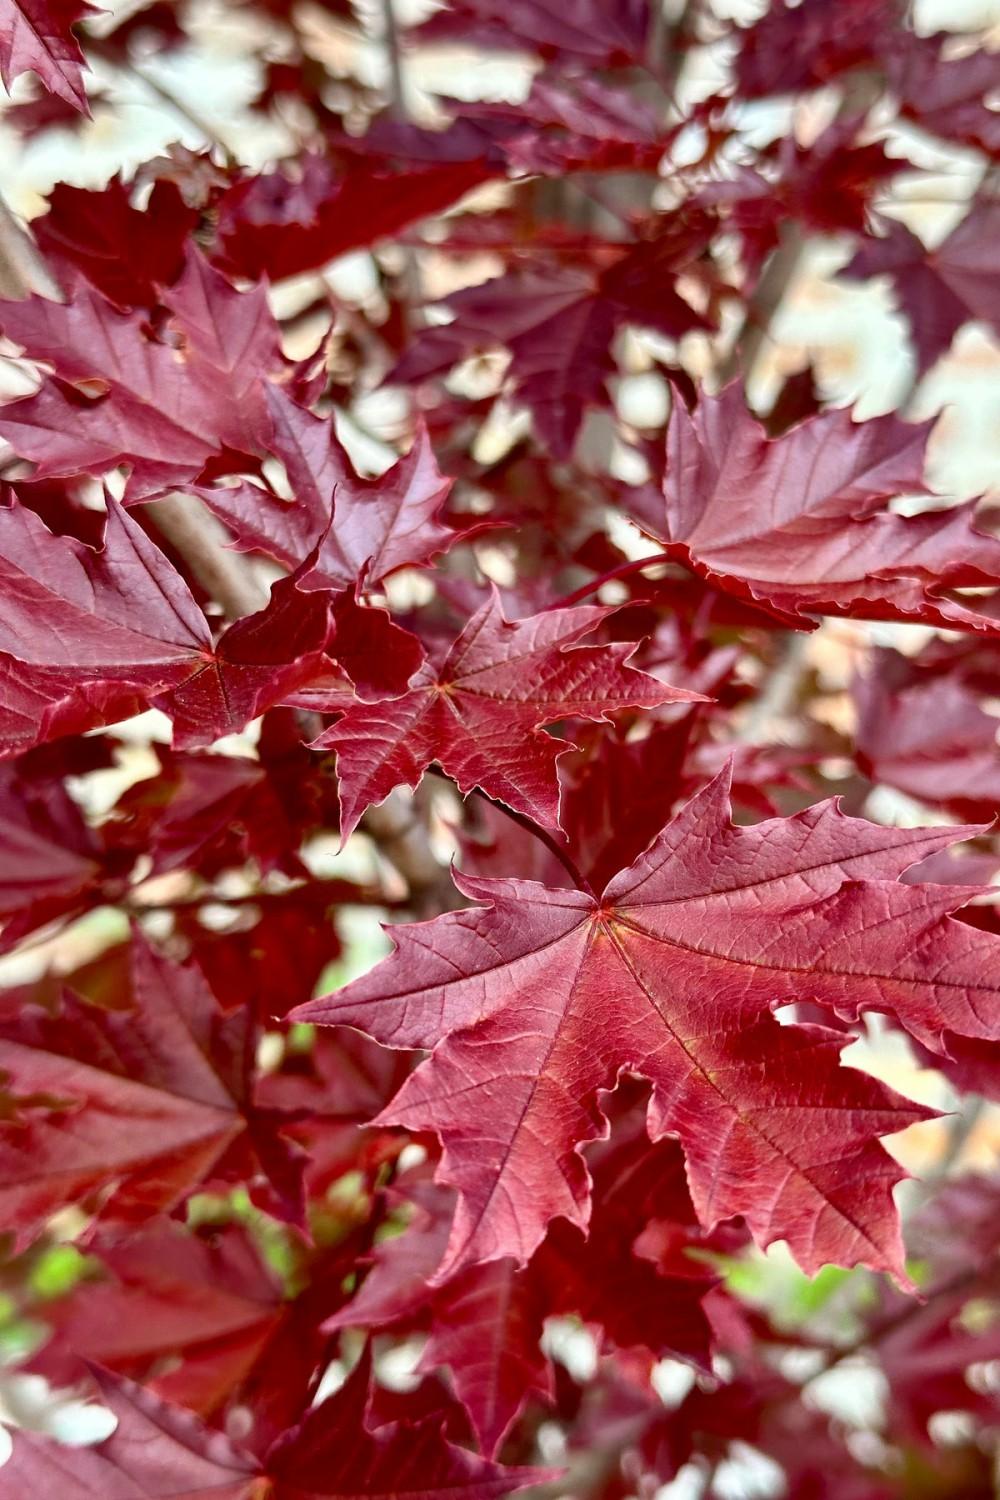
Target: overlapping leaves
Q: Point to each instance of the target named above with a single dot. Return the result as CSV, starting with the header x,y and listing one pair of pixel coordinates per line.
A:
x,y
575,1101
538,999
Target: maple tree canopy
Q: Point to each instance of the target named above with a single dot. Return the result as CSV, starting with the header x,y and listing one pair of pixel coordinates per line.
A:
x,y
499,770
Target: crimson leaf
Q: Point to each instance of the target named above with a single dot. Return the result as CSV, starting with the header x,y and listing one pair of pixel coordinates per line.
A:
x,y
801,522
476,711
538,998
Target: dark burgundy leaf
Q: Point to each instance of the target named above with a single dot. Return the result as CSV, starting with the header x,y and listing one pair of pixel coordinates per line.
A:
x,y
377,525
146,1101
87,229
947,95
207,1304
156,1451
810,44
486,1321
558,323
277,225
334,1453
929,737
579,30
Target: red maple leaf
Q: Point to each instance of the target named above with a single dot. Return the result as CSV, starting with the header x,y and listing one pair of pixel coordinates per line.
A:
x,y
36,36
159,1451
577,30
162,400
538,999
86,229
929,736
161,1297
499,1194
486,1321
211,811
571,124
828,186
793,47
947,96
156,1450
280,224
477,707
558,322
53,864
938,290
363,528
124,617
147,1101
802,522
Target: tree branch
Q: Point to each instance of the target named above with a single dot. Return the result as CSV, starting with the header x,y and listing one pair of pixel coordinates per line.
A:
x,y
401,835
191,529
860,89
777,697
397,82
872,1337
22,269
755,330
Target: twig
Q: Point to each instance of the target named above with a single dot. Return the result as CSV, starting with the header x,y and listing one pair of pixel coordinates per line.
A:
x,y
409,274
872,1337
360,896
401,835
755,331
586,1474
778,695
397,83
656,37
676,37
860,90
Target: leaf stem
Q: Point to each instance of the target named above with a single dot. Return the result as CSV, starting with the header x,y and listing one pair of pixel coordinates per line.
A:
x,y
635,566
763,307
557,850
